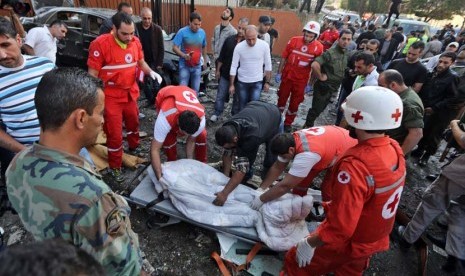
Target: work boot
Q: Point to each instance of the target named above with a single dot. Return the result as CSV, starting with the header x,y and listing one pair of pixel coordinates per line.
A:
x,y
403,244
432,177
116,174
424,159
450,265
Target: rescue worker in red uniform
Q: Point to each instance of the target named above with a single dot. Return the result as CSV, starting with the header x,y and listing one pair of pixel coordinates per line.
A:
x,y
115,58
179,113
329,36
366,185
312,151
294,70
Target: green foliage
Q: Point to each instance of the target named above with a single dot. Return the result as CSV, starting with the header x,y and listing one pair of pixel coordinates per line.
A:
x,y
435,9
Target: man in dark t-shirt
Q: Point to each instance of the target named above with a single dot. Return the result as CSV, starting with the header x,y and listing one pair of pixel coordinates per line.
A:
x,y
410,67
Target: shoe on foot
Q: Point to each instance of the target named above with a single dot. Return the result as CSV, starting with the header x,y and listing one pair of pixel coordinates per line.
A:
x,y
139,151
117,175
213,118
417,153
450,265
403,244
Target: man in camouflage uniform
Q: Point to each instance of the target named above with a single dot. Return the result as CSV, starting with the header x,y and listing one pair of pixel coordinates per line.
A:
x,y
56,192
328,69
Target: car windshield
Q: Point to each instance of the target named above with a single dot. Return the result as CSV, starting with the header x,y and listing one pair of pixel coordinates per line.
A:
x,y
41,4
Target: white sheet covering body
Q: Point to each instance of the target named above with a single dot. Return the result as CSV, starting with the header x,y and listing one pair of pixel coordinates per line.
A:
x,y
191,187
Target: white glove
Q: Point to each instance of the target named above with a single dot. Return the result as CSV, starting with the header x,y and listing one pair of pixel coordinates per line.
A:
x,y
304,253
154,75
256,203
260,190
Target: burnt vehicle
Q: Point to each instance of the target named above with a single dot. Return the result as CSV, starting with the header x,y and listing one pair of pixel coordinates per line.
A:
x,y
83,27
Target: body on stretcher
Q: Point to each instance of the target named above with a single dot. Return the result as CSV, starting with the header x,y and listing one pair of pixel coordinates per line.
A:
x,y
145,194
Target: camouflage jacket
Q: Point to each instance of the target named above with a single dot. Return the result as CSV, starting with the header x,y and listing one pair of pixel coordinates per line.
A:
x,y
60,195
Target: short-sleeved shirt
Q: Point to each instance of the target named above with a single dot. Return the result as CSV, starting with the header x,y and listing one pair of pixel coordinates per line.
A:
x,y
57,194
411,72
162,128
44,44
17,91
412,116
188,42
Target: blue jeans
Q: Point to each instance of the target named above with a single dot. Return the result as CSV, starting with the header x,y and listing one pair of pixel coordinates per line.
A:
x,y
248,92
190,75
222,95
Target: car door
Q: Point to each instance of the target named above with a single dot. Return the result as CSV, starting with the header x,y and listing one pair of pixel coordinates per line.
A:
x,y
70,49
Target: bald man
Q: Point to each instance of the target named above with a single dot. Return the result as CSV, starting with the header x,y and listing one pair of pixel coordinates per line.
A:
x,y
254,58
151,38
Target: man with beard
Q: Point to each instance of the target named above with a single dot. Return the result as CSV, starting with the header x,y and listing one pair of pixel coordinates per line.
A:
x,y
223,31
365,189
440,98
328,69
294,70
223,67
190,45
410,67
114,58
69,199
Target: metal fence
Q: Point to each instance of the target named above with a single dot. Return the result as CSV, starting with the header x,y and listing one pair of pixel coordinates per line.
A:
x,y
171,15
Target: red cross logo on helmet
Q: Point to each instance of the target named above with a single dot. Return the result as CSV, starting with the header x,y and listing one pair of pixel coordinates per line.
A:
x,y
357,116
312,26
396,115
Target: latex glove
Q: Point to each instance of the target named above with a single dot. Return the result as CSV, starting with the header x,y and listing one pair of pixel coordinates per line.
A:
x,y
304,253
154,75
308,89
256,203
277,78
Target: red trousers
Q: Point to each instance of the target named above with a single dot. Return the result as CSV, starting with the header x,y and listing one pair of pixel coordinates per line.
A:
x,y
115,113
296,91
323,262
200,146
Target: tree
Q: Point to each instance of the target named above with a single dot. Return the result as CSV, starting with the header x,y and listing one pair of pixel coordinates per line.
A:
x,y
435,9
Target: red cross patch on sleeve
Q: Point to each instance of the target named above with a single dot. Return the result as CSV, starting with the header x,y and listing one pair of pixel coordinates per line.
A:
x,y
343,177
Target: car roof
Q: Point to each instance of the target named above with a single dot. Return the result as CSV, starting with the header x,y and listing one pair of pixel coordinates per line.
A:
x,y
107,13
411,21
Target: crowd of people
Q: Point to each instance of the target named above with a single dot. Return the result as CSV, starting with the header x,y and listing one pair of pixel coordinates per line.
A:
x,y
389,107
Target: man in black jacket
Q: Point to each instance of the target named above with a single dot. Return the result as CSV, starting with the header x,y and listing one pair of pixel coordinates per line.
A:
x,y
387,48
441,101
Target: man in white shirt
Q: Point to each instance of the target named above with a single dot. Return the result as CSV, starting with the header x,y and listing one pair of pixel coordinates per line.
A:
x,y
253,55
42,41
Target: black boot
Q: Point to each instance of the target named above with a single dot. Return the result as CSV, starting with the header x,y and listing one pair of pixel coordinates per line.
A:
x,y
417,153
450,265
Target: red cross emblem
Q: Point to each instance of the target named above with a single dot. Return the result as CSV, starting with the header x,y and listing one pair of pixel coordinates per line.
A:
x,y
396,115
390,207
357,116
190,97
312,26
343,177
316,130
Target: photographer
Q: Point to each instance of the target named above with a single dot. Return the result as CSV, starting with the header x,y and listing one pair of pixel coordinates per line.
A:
x,y
446,192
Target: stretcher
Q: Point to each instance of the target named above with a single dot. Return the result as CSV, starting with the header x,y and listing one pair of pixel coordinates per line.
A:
x,y
144,194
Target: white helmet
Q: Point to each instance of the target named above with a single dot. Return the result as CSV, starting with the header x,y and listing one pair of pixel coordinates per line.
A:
x,y
313,27
373,108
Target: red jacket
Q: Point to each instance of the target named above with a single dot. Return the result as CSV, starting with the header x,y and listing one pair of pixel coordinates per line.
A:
x,y
116,66
366,185
299,57
173,100
327,38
